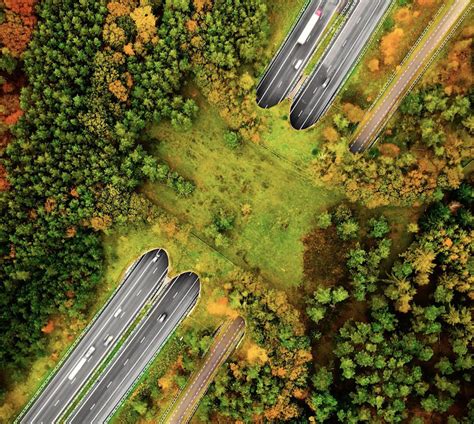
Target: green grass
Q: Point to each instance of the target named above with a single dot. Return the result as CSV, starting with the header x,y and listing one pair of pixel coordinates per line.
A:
x,y
283,200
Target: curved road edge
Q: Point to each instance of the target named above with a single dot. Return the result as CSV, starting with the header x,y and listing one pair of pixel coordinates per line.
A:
x,y
134,357
40,407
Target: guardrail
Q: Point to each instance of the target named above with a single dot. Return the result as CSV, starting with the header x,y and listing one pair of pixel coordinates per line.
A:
x,y
348,8
412,49
422,71
152,359
282,44
361,54
79,338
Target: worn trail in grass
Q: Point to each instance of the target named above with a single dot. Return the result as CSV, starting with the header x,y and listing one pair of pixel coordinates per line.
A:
x,y
274,204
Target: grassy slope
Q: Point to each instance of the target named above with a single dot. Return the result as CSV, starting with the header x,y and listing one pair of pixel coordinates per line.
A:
x,y
283,201
272,180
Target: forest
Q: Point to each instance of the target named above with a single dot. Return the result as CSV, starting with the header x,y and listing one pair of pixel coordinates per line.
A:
x,y
354,273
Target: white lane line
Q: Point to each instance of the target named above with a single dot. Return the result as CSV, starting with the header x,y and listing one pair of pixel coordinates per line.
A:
x,y
109,383
354,45
92,407
338,33
305,60
125,363
402,76
97,336
58,385
138,293
295,29
55,403
145,351
120,354
283,63
142,340
203,368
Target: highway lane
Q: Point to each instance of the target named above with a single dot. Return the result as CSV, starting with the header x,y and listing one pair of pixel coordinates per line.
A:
x,y
225,343
373,123
143,279
147,339
324,83
281,75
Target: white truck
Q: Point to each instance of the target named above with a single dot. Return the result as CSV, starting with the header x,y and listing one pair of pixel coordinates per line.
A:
x,y
309,27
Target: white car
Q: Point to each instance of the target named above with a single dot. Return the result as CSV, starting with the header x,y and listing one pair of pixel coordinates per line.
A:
x,y
90,352
162,317
298,64
108,339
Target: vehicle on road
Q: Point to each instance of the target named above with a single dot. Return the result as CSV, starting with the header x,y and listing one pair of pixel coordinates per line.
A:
x,y
285,70
319,90
309,27
77,368
90,351
142,279
108,339
137,351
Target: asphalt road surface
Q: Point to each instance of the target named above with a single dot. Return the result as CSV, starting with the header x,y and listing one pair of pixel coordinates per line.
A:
x,y
188,401
327,79
106,394
143,279
378,116
281,76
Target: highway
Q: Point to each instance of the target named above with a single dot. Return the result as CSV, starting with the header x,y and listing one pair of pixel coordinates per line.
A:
x,y
142,280
417,62
281,75
138,350
325,82
187,402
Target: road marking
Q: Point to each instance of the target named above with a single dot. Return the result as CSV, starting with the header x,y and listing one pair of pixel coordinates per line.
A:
x,y
273,63
306,59
142,340
122,351
400,79
126,293
109,383
284,61
55,403
354,45
138,360
125,363
348,12
92,407
196,378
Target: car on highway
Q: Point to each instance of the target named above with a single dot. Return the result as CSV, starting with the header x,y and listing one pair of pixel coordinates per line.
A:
x,y
326,82
162,317
90,351
107,340
298,64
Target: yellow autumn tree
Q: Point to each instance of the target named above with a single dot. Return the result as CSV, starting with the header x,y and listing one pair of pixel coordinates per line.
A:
x,y
145,22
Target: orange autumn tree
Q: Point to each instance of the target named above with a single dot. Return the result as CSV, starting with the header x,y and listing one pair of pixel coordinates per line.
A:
x,y
15,34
